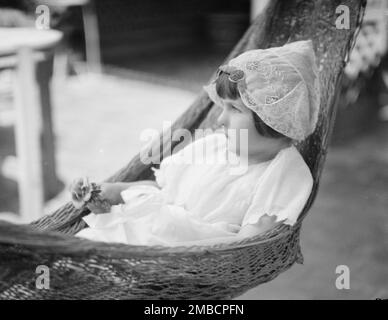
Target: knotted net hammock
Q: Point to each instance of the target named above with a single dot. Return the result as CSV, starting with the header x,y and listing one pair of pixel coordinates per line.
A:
x,y
83,269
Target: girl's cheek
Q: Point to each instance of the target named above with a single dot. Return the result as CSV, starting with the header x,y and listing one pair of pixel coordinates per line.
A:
x,y
243,122
236,124
238,120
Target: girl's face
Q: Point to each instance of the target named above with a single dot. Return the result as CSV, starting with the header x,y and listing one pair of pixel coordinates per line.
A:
x,y
235,116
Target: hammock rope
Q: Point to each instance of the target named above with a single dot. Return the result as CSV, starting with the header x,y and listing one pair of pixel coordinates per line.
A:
x,y
83,269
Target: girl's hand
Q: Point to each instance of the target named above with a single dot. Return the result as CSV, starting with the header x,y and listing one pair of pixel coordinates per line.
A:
x,y
99,198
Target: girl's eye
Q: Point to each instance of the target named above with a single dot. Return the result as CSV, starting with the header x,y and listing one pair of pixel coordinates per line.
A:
x,y
234,108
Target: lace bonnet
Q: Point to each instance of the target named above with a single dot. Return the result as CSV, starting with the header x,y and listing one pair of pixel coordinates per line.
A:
x,y
280,84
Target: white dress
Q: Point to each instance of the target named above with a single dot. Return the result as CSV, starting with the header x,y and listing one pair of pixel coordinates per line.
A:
x,y
205,201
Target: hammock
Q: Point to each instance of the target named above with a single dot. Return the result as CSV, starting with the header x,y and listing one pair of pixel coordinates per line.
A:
x,y
83,269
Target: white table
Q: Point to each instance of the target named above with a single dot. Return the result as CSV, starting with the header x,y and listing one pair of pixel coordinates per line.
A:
x,y
21,49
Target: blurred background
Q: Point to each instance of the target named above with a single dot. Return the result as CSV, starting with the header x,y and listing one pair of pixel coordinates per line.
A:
x,y
80,79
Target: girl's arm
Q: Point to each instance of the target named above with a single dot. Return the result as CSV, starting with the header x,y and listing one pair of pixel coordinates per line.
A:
x,y
110,193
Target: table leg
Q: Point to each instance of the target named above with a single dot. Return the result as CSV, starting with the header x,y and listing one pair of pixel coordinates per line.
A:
x,y
28,148
92,40
52,184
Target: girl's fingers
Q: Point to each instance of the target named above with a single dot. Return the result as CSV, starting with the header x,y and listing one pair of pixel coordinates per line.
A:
x,y
96,208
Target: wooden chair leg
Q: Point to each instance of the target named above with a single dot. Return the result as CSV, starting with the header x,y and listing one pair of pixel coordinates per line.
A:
x,y
92,40
28,123
44,70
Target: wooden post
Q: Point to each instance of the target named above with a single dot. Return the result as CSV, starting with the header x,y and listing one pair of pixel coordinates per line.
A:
x,y
256,7
44,70
28,137
92,40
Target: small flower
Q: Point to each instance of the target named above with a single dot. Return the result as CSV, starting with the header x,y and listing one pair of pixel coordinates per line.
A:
x,y
89,192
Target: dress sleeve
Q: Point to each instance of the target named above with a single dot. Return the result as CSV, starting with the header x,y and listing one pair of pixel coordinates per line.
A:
x,y
282,190
172,165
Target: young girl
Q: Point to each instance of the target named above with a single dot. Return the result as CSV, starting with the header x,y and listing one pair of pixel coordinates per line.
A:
x,y
273,95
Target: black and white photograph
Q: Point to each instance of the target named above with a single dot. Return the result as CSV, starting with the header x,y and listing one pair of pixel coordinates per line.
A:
x,y
214,150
